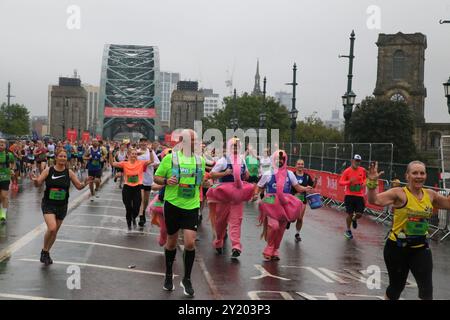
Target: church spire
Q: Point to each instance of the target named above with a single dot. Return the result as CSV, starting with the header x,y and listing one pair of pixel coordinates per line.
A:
x,y
257,87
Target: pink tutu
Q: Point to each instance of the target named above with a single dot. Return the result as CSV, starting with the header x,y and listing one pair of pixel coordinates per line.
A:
x,y
156,211
273,208
228,192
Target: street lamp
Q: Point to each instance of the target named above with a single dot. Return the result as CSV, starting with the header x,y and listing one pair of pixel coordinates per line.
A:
x,y
234,121
447,93
263,115
348,99
294,112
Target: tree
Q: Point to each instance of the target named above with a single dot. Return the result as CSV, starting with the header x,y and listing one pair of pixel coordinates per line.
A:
x,y
15,119
385,121
248,109
314,130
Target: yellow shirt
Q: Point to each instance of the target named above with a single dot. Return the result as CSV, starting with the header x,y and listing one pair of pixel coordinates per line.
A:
x,y
412,219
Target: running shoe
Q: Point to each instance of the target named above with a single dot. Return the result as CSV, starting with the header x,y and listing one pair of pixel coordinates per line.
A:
x,y
348,234
168,283
142,220
297,237
187,286
266,257
45,258
235,253
275,258
219,251
134,223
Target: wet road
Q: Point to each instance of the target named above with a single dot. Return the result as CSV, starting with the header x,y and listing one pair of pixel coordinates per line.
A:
x,y
95,258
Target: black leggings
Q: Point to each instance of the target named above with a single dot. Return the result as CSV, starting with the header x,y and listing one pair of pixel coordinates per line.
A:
x,y
399,261
131,197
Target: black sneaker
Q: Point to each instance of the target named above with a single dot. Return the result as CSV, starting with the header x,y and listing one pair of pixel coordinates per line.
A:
x,y
219,251
168,283
235,253
142,220
297,237
354,223
45,258
187,286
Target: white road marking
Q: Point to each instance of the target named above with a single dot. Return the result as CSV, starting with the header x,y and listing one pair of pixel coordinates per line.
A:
x,y
254,295
106,228
100,267
19,296
110,207
109,245
265,273
99,215
314,271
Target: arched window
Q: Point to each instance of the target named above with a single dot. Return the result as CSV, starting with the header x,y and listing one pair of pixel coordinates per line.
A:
x,y
399,65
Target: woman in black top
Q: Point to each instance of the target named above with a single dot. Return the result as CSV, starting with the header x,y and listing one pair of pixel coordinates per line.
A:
x,y
57,180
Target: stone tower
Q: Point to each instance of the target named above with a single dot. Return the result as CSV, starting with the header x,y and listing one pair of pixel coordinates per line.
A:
x,y
257,88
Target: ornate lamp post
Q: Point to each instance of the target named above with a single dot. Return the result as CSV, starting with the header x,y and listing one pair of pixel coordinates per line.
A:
x,y
294,112
234,121
447,93
263,115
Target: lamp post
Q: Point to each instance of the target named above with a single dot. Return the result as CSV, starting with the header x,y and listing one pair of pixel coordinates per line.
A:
x,y
234,121
263,115
294,112
348,99
447,93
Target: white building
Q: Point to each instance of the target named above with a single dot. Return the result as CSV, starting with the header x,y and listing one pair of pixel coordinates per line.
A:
x,y
335,121
169,82
284,98
92,106
211,103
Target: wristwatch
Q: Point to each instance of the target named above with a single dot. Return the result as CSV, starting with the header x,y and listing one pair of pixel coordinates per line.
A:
x,y
165,181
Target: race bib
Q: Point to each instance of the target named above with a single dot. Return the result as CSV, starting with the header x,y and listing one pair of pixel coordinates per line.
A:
x,y
95,162
158,204
355,188
57,194
300,196
417,224
269,199
133,179
186,191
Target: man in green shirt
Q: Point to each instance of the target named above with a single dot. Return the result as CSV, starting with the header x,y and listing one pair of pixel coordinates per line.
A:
x,y
7,163
252,163
181,172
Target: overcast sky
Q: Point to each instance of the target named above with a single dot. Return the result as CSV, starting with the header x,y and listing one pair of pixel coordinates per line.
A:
x,y
202,39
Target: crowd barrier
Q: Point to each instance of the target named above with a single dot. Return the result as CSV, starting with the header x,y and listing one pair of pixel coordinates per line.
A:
x,y
333,195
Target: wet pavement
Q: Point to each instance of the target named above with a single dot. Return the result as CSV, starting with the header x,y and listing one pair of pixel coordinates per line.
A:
x,y
95,258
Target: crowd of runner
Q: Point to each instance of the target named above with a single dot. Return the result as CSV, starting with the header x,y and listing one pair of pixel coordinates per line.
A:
x,y
172,187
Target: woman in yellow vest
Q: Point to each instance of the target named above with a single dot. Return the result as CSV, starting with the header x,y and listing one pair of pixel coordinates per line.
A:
x,y
407,244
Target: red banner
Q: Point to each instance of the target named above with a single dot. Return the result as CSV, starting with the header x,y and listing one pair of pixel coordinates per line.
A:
x,y
129,112
328,186
71,135
85,136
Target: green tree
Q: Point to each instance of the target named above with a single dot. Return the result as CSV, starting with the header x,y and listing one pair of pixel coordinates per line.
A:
x,y
385,121
314,130
14,119
248,109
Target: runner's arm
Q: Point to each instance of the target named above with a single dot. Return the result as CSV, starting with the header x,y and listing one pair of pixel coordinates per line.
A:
x,y
386,198
343,180
79,185
438,200
38,181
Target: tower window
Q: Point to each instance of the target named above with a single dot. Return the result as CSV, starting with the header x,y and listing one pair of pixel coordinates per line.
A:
x,y
399,65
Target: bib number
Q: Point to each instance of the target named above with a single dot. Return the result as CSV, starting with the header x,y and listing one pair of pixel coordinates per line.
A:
x,y
95,162
57,194
269,199
416,225
355,188
300,196
158,204
186,191
133,179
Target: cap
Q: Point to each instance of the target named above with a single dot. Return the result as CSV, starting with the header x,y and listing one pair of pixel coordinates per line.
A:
x,y
357,157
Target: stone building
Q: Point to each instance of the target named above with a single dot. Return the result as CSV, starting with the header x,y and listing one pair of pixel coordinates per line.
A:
x,y
67,107
187,105
400,77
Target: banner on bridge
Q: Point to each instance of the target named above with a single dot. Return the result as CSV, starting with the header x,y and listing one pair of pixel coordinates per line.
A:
x,y
137,113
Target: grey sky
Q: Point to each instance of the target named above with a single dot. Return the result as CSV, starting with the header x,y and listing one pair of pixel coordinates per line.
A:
x,y
202,39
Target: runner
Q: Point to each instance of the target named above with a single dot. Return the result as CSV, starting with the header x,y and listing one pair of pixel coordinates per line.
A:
x,y
230,170
41,156
93,155
251,160
354,179
133,171
278,207
182,174
51,153
56,197
30,158
80,153
7,164
144,154
304,180
407,247
120,156
69,151
15,149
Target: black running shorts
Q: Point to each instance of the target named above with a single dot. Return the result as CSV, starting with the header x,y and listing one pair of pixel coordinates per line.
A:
x,y
177,218
59,211
4,185
354,204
